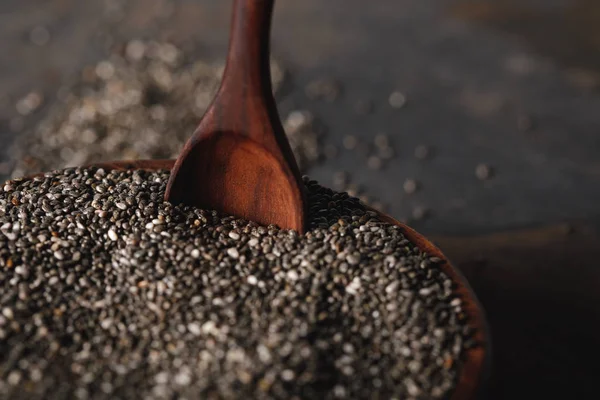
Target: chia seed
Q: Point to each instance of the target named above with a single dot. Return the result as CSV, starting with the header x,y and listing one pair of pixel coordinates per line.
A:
x,y
143,102
484,172
212,306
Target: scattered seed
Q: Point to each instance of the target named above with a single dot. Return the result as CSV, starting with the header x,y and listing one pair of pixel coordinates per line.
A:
x,y
350,142
39,35
28,104
340,180
140,102
323,89
483,172
410,186
397,100
374,163
419,213
382,141
422,152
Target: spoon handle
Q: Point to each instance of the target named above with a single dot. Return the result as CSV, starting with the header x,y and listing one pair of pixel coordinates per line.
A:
x,y
247,71
245,103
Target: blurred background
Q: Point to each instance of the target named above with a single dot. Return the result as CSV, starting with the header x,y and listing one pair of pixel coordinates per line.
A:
x,y
475,121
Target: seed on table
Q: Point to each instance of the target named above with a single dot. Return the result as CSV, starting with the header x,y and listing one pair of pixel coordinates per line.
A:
x,y
410,186
420,212
297,120
374,163
422,152
382,141
484,172
135,50
39,35
134,104
105,70
340,179
397,99
28,104
350,142
323,89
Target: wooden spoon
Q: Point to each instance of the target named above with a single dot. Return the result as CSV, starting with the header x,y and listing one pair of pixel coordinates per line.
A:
x,y
238,161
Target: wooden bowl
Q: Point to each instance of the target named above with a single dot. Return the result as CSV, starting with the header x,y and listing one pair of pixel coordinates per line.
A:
x,y
476,361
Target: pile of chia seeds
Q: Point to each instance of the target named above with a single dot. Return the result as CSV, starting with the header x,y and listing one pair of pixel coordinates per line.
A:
x,y
107,291
143,101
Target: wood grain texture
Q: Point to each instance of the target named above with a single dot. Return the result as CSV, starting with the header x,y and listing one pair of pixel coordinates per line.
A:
x,y
476,363
238,160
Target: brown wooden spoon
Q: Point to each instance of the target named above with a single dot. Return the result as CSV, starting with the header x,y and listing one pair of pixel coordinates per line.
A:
x,y
238,160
